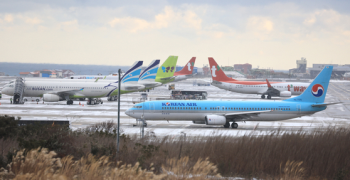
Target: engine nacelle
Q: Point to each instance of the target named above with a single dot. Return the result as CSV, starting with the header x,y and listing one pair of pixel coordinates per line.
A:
x,y
285,94
215,120
198,122
51,98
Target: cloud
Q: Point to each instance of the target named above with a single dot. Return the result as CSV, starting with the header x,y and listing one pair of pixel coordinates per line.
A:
x,y
8,18
168,18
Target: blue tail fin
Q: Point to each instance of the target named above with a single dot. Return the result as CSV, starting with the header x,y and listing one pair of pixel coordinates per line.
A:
x,y
317,90
151,71
132,75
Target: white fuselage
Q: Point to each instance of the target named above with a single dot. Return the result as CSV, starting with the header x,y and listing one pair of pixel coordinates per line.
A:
x,y
294,88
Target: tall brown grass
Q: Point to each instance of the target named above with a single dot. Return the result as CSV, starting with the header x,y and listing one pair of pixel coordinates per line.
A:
x,y
318,154
42,164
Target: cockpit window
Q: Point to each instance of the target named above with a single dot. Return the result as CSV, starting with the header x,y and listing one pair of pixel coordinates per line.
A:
x,y
138,107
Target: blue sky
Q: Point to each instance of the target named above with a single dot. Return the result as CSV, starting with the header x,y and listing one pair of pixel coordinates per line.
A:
x,y
268,34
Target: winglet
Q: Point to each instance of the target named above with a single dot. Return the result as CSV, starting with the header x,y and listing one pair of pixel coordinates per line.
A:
x,y
97,79
268,84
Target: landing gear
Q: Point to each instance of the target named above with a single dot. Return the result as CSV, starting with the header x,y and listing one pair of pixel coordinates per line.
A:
x,y
227,125
112,98
69,102
92,101
234,125
268,96
262,96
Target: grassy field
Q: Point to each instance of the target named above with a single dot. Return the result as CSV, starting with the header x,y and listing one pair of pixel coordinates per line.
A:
x,y
37,151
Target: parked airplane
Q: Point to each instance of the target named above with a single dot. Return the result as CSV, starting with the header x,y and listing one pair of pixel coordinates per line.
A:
x,y
223,112
284,89
186,71
56,91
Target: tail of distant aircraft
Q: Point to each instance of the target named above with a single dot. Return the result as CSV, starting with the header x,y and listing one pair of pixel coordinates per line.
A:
x,y
188,68
317,90
216,72
132,75
166,71
150,72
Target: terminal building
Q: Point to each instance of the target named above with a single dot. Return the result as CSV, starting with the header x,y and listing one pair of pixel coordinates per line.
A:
x,y
338,70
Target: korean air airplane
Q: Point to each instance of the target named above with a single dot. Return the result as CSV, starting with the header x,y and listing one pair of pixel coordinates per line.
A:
x,y
54,91
223,112
280,89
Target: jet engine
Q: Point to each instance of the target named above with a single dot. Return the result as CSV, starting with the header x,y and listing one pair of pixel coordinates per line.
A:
x,y
198,122
51,98
285,94
215,120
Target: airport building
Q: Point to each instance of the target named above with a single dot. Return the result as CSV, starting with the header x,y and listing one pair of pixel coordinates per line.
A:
x,y
244,68
338,70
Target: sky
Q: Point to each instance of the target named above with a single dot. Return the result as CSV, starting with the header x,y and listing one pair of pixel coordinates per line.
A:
x,y
267,34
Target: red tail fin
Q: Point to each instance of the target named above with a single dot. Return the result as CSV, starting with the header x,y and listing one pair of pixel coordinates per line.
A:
x,y
187,69
216,72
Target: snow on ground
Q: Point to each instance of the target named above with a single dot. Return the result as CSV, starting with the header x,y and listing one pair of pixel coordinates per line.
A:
x,y
83,115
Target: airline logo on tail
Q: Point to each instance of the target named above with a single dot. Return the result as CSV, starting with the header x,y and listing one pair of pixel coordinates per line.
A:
x,y
189,66
166,69
213,69
317,90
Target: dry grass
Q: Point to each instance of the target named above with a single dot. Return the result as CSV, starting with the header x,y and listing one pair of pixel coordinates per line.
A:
x,y
320,154
42,164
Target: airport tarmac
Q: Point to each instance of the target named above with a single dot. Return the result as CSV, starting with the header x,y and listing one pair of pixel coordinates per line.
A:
x,y
83,115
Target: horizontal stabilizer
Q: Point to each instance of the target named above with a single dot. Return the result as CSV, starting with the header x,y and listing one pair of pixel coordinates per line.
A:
x,y
325,104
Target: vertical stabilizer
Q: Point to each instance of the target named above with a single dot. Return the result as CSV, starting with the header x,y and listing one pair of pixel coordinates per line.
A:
x,y
166,71
317,90
187,69
216,72
132,75
149,74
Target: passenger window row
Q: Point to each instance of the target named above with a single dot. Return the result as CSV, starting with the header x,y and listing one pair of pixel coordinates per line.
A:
x,y
230,108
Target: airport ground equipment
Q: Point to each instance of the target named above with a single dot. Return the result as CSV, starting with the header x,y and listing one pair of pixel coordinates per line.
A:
x,y
18,92
187,95
171,87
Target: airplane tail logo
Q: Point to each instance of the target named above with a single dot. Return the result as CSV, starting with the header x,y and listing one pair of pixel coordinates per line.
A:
x,y
168,69
216,72
317,90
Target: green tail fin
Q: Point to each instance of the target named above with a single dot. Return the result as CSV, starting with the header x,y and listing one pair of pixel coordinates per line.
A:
x,y
166,71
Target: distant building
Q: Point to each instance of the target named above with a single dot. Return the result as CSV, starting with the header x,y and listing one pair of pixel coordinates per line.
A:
x,y
244,68
338,70
2,74
48,73
301,66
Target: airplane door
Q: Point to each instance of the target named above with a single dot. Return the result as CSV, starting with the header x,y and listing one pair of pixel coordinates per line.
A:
x,y
152,107
299,108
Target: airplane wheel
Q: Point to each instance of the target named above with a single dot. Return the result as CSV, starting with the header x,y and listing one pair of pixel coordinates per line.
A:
x,y
71,102
262,96
268,97
95,101
101,102
234,125
227,125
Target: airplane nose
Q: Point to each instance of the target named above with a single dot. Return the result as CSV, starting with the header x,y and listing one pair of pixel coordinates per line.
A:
x,y
127,112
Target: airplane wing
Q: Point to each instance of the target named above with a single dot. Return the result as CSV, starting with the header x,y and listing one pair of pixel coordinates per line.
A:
x,y
64,94
246,115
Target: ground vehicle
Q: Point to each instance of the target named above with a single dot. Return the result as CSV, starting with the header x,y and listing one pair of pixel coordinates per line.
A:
x,y
32,99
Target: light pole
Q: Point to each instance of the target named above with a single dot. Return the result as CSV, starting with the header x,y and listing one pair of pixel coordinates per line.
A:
x,y
119,73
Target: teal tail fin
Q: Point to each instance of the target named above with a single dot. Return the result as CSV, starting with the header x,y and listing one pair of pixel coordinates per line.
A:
x,y
317,90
